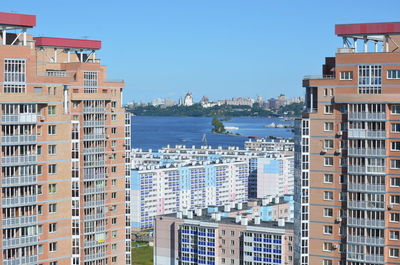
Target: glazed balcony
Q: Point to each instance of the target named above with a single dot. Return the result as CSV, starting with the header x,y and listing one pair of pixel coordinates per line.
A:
x,y
354,169
365,187
94,123
93,137
366,222
18,139
367,116
94,109
94,190
20,241
21,200
366,205
21,260
99,176
21,180
90,204
359,257
97,163
28,118
98,216
93,150
365,134
20,221
95,256
366,152
365,240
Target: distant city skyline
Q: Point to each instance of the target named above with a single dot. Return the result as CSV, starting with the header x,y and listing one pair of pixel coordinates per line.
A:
x,y
215,48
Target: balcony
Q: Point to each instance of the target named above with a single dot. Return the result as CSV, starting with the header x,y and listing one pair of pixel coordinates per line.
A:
x,y
17,160
94,123
366,205
28,118
97,163
365,240
90,204
94,110
91,217
318,77
21,260
21,180
361,187
91,257
367,116
99,176
94,150
18,139
366,152
20,221
93,137
365,134
366,258
22,200
94,190
98,229
354,169
366,222
56,73
21,241
94,243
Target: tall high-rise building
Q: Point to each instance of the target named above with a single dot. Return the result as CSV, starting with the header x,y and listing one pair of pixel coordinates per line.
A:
x,y
64,160
347,152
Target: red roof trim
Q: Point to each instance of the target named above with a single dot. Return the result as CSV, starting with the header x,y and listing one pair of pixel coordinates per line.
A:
x,y
68,43
367,28
13,19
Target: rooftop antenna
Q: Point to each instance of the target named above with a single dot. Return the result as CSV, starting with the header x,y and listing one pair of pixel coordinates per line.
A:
x,y
204,140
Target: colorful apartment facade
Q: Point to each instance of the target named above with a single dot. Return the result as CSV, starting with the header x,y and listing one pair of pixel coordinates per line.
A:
x,y
347,153
65,152
206,236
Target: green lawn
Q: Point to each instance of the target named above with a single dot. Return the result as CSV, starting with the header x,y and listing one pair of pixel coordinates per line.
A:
x,y
142,256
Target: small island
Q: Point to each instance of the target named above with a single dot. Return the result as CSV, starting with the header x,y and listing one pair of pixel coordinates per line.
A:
x,y
220,128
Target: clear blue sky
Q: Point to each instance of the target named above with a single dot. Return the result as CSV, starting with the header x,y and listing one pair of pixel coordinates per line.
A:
x,y
218,48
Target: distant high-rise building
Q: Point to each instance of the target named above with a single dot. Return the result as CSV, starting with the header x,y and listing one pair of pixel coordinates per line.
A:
x,y
188,100
347,153
64,160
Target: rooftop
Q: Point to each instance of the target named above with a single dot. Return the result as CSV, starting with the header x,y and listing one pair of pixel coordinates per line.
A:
x,y
68,43
17,20
368,29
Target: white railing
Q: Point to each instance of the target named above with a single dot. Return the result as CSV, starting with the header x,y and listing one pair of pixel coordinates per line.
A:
x,y
92,150
99,176
366,240
60,73
91,217
375,258
365,222
319,77
367,152
18,139
94,137
19,159
94,109
366,169
365,187
98,163
365,204
18,180
95,256
32,199
20,241
20,118
346,50
23,220
94,190
21,260
367,116
361,133
93,123
89,204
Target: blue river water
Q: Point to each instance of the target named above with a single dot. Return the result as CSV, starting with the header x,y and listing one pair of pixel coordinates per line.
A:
x,y
149,132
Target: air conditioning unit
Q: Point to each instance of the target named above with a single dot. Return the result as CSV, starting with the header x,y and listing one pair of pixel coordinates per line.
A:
x,y
42,118
339,151
324,150
390,206
107,136
335,246
340,133
112,109
339,219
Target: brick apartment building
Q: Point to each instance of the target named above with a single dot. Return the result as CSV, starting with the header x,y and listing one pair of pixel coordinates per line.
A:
x,y
64,160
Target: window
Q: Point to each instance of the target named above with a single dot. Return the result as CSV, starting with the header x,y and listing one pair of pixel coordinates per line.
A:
x,y
346,75
395,109
52,110
75,104
113,195
369,79
396,127
40,209
328,126
394,235
39,190
395,146
51,130
395,199
53,263
39,150
232,252
37,90
52,149
114,234
114,259
52,227
114,246
328,109
328,144
232,242
328,161
328,212
232,233
328,195
90,82
328,178
325,92
114,117
331,90
113,169
328,229
394,252
39,169
114,220
327,262
113,104
113,182
394,217
40,249
328,246
393,74
14,75
113,130
52,246
52,168
52,188
40,229
395,164
52,208
395,182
